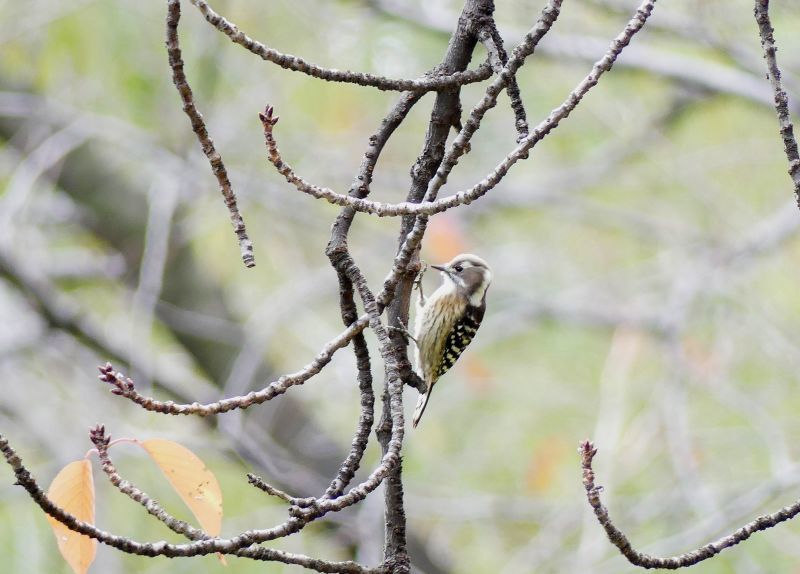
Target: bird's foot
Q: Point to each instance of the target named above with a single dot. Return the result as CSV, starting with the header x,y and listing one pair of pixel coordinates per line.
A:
x,y
403,330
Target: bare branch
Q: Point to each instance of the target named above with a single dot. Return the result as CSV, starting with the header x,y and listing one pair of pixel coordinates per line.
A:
x,y
260,484
430,206
101,442
199,127
202,547
549,14
686,70
396,292
618,538
765,30
498,57
207,545
125,387
430,82
337,246
459,146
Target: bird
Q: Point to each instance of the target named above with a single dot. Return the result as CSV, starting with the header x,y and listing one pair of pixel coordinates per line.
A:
x,y
445,324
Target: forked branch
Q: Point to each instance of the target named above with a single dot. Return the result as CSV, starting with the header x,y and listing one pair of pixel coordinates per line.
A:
x,y
431,206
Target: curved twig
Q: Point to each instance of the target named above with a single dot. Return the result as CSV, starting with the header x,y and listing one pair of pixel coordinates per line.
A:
x,y
459,146
430,206
264,486
125,387
618,538
205,546
101,442
200,130
197,548
428,83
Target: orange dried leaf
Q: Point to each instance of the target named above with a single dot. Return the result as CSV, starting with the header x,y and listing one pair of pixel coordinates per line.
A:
x,y
196,485
73,490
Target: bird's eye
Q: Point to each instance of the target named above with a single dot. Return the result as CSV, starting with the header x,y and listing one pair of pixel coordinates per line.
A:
x,y
458,268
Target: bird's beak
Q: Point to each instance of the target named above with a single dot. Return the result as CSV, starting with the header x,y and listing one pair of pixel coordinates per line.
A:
x,y
442,268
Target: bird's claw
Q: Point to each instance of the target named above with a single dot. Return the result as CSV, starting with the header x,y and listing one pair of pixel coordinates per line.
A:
x,y
418,281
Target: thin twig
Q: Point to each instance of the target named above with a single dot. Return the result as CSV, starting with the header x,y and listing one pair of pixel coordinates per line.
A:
x,y
200,130
686,70
618,538
260,484
101,441
458,147
125,387
431,207
432,81
765,30
201,547
498,57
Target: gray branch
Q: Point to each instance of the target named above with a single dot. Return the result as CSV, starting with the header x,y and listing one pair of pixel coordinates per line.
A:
x,y
765,29
618,538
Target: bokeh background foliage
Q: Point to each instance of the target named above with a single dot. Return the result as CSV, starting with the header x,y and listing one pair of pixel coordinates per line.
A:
x,y
644,296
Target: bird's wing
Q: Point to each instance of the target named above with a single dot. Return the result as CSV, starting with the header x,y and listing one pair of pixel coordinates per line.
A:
x,y
460,337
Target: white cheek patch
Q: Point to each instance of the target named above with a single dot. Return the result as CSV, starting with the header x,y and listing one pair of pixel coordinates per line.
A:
x,y
477,297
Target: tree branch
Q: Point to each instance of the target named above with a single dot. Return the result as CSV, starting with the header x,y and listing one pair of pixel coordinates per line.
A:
x,y
338,254
761,12
445,114
433,81
498,57
199,128
125,387
299,519
431,206
197,548
101,442
618,538
459,146
260,484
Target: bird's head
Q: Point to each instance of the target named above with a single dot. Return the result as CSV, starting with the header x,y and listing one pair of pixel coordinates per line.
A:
x,y
468,274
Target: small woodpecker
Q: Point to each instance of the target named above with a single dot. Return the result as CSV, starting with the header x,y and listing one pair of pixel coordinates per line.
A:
x,y
446,323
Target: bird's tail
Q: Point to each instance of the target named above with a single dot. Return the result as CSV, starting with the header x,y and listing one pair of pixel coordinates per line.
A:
x,y
422,402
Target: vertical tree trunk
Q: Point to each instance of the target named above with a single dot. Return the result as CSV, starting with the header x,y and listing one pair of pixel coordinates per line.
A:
x,y
445,115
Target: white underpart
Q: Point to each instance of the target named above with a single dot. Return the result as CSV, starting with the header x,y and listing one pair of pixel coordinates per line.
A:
x,y
448,287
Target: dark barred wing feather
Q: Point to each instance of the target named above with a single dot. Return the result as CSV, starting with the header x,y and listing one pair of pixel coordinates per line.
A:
x,y
460,337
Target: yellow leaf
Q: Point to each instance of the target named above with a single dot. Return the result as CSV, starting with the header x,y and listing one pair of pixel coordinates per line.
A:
x,y
73,490
195,484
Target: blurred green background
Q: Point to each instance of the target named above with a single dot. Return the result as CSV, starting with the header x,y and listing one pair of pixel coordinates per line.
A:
x,y
645,292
